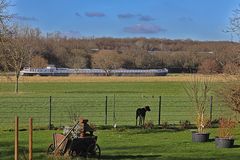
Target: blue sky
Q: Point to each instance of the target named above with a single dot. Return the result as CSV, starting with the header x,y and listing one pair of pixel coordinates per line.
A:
x,y
173,19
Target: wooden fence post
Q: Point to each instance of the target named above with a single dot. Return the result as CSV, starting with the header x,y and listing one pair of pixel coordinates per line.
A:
x,y
16,139
30,138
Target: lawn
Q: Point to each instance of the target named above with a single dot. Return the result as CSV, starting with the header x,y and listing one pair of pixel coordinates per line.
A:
x,y
135,143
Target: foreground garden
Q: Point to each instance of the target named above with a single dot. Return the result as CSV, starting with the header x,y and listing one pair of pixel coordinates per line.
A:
x,y
130,143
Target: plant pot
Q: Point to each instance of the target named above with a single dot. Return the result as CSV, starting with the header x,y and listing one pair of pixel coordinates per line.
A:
x,y
200,137
224,142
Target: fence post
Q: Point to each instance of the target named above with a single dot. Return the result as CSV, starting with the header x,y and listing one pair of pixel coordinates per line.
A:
x,y
211,105
16,139
30,138
114,111
159,109
106,105
50,113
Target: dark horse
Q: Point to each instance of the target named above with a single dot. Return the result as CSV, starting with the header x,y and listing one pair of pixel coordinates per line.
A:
x,y
141,113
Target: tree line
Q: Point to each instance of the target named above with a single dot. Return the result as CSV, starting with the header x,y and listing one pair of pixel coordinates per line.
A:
x,y
29,47
116,53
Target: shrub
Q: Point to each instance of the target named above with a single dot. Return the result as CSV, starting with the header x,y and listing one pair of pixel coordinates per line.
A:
x,y
148,125
231,68
165,125
230,93
198,92
185,124
209,66
226,127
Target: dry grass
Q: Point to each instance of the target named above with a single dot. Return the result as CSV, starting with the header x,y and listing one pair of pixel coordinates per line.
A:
x,y
169,78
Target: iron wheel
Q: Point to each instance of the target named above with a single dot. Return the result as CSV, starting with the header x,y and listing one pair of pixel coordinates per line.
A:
x,y
94,151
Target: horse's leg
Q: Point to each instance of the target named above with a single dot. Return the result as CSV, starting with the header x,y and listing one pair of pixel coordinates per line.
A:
x,y
143,120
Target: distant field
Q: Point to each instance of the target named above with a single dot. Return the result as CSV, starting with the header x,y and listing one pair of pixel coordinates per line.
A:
x,y
171,85
168,78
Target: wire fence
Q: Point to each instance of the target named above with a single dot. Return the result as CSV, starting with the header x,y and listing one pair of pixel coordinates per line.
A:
x,y
102,110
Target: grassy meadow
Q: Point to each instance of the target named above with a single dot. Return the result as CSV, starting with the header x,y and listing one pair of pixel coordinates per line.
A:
x,y
86,96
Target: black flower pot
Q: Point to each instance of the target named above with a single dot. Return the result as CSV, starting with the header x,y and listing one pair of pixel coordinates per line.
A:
x,y
224,142
200,137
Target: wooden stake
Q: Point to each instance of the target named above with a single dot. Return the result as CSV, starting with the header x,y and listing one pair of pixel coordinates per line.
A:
x,y
16,139
30,139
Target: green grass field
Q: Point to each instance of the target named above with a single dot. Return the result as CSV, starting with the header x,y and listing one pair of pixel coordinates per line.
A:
x,y
87,97
130,144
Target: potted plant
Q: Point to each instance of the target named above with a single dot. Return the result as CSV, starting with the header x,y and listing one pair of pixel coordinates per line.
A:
x,y
198,90
225,137
230,92
201,135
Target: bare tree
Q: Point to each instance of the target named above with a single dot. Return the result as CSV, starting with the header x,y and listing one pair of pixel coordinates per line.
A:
x,y
231,61
107,60
18,50
15,56
231,89
230,92
234,26
38,62
79,59
232,68
198,91
228,59
4,16
209,66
